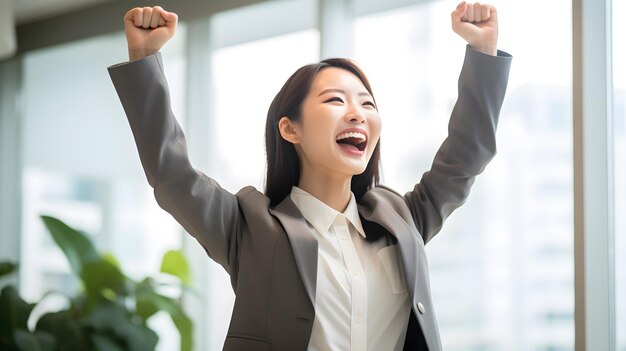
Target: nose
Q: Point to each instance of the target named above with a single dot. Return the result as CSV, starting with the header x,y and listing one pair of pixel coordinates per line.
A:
x,y
355,115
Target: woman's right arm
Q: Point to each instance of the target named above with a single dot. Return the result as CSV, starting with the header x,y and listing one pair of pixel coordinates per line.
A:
x,y
208,212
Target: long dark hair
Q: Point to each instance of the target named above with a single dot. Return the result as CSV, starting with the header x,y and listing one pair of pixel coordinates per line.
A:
x,y
283,165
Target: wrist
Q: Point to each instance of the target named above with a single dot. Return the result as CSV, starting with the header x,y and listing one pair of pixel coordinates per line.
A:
x,y
137,54
486,49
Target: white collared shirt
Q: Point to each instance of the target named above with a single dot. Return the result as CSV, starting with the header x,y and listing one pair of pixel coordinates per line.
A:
x,y
361,298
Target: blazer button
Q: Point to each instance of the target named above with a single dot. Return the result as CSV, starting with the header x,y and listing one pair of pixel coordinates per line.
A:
x,y
421,308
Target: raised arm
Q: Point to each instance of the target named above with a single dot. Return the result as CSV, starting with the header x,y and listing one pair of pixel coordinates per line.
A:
x,y
208,212
471,141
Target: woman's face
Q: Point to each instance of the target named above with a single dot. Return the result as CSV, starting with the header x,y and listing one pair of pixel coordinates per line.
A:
x,y
340,125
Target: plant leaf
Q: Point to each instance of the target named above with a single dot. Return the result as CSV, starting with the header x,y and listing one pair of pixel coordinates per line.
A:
x,y
76,246
112,259
145,307
7,268
106,315
137,337
14,314
38,341
180,319
102,281
67,330
175,263
104,343
102,274
111,317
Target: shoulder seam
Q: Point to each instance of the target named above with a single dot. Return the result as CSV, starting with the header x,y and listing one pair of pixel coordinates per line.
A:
x,y
388,189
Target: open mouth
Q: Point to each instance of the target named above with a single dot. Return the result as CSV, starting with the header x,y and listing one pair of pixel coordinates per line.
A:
x,y
352,140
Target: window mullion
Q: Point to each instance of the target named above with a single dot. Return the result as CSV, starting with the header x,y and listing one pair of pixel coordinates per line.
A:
x,y
201,143
10,162
335,24
593,186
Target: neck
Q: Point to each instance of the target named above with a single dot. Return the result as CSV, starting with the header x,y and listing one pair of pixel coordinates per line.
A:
x,y
333,190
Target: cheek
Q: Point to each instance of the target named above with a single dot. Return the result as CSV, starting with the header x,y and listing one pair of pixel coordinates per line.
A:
x,y
375,127
318,127
313,132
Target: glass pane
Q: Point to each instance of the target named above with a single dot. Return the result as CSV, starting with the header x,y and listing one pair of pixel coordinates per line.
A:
x,y
502,268
81,165
247,77
619,153
246,89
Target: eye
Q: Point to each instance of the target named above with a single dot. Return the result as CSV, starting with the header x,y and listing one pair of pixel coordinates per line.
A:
x,y
369,103
334,99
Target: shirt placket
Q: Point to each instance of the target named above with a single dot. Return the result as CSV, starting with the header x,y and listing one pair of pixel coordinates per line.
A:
x,y
357,283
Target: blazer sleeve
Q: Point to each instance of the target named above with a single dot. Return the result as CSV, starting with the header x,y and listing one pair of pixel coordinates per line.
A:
x,y
469,146
206,211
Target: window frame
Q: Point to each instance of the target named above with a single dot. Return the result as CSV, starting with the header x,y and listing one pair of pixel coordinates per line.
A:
x,y
594,232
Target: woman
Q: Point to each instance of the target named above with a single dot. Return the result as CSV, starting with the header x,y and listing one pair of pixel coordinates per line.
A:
x,y
325,258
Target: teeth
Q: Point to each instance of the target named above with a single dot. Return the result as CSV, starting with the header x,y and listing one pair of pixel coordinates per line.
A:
x,y
351,135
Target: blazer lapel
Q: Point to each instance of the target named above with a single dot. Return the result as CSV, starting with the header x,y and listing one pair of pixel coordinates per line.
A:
x,y
303,243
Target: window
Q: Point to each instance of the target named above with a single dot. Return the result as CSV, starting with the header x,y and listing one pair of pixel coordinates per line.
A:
x,y
81,166
502,267
247,77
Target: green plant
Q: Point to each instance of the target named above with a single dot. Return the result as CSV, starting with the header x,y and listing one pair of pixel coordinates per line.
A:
x,y
109,313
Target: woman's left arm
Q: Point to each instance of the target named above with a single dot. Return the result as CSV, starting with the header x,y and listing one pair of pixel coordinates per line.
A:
x,y
471,141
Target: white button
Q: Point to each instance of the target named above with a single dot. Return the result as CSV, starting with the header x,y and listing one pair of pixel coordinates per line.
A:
x,y
343,237
421,308
356,273
358,318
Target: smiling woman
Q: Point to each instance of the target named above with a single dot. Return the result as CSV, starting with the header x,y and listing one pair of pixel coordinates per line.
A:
x,y
325,259
296,154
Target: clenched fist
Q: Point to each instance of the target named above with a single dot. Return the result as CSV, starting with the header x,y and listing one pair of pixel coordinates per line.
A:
x,y
147,30
478,25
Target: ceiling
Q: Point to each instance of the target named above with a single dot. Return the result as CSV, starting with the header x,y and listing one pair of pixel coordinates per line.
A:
x,y
32,10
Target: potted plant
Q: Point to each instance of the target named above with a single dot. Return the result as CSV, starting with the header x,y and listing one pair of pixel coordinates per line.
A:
x,y
109,313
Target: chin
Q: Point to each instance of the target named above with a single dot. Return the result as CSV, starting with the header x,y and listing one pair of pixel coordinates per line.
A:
x,y
354,171
358,167
349,166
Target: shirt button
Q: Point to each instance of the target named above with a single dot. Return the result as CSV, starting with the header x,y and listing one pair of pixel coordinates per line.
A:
x,y
358,318
421,308
356,273
343,237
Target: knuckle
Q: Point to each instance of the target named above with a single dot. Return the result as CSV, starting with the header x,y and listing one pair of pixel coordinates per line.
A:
x,y
133,11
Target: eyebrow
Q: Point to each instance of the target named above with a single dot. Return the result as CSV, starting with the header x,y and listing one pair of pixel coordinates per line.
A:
x,y
364,93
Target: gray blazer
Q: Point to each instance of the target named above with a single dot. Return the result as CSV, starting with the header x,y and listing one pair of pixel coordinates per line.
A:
x,y
269,253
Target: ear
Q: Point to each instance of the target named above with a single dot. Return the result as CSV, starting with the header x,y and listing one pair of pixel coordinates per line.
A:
x,y
289,130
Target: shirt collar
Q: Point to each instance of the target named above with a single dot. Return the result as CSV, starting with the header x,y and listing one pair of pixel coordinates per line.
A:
x,y
320,215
